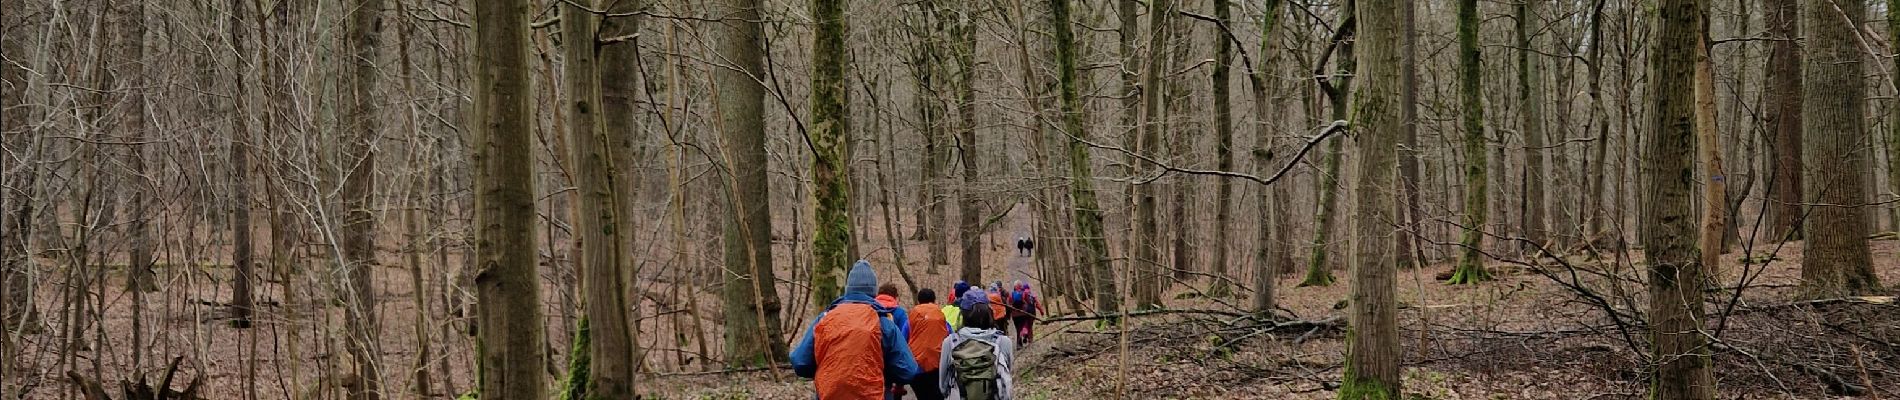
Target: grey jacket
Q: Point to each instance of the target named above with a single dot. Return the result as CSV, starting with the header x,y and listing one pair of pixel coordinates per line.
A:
x,y
1005,362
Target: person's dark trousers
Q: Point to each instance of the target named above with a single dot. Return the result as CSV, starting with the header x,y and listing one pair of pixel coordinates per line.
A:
x,y
1025,329
924,386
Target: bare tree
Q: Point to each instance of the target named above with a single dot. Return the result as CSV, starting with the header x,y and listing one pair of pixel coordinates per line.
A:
x,y
751,300
1782,118
1471,103
1372,345
358,230
1669,234
1087,213
508,306
605,332
1147,272
1834,125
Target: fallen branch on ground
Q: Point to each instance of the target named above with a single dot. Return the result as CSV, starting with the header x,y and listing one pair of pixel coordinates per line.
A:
x,y
1144,313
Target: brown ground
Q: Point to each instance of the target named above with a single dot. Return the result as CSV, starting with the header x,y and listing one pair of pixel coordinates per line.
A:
x,y
1521,337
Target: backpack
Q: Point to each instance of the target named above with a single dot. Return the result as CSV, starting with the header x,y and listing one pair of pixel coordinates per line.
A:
x,y
1022,304
977,378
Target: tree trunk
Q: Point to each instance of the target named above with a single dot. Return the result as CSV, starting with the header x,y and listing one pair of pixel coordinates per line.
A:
x,y
1336,87
1595,164
752,320
609,372
1147,229
1409,251
1783,119
831,188
1471,100
1709,152
1223,151
1318,269
1530,91
969,235
1893,111
933,213
359,185
1668,231
1271,255
1088,215
140,275
413,239
1833,122
241,258
619,89
1372,345
508,306
1183,134
18,311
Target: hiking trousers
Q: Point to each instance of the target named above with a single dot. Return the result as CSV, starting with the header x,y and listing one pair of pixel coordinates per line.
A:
x,y
924,386
1025,329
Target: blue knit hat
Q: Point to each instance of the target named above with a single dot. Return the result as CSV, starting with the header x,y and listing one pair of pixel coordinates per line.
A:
x,y
861,280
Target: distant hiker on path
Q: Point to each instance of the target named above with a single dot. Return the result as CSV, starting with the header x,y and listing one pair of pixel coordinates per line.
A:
x,y
1025,246
977,361
852,350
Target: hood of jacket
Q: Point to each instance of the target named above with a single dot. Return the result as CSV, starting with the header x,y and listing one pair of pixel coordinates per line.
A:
x,y
887,301
985,335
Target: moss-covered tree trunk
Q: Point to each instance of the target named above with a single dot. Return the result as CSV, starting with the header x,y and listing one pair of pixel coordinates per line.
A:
x,y
1088,215
830,135
752,323
364,30
1470,267
508,304
1337,88
604,302
1530,91
1782,118
1834,127
1372,345
1668,228
1318,271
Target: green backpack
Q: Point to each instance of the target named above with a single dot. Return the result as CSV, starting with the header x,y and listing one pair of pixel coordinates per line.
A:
x,y
976,369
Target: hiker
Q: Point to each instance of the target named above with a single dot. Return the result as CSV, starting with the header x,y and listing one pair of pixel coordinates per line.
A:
x,y
952,314
976,362
998,309
1024,307
1025,246
852,350
887,297
929,326
957,291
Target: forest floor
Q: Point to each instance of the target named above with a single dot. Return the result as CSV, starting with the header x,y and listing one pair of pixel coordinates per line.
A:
x,y
1527,335
1563,330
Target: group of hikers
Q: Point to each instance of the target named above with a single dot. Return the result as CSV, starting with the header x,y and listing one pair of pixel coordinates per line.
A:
x,y
866,345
